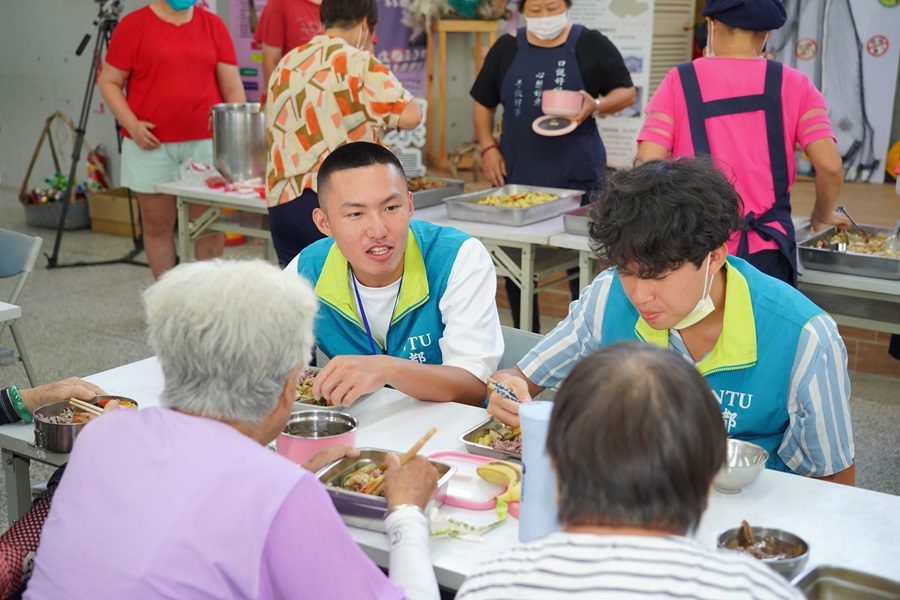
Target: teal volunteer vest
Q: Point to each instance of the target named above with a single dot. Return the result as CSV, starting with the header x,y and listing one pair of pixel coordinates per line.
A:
x,y
749,368
416,325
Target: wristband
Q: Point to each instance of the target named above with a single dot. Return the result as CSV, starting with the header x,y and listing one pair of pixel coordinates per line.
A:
x,y
491,147
19,405
404,506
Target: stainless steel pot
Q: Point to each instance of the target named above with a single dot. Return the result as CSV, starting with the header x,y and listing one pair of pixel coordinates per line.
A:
x,y
55,437
60,437
239,140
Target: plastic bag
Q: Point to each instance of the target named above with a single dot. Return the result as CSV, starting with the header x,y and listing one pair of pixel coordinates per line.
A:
x,y
193,172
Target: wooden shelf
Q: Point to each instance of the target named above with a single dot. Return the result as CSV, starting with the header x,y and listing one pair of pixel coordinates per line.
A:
x,y
437,115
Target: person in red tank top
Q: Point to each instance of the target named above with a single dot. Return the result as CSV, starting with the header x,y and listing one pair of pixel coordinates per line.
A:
x,y
177,61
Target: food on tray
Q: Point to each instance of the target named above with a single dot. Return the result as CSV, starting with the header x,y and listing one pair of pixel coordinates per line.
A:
x,y
518,200
877,245
365,480
419,184
765,546
123,402
305,386
504,437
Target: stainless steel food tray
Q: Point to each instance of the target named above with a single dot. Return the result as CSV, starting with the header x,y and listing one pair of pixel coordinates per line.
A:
x,y
469,439
826,582
308,403
850,263
434,196
576,221
466,208
363,510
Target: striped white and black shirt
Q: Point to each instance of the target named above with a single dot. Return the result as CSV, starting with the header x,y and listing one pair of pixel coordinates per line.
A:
x,y
578,565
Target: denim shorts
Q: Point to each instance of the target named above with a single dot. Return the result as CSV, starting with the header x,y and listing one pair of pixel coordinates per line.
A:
x,y
142,170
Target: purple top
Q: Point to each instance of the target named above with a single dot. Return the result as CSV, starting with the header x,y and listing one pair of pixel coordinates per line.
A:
x,y
156,503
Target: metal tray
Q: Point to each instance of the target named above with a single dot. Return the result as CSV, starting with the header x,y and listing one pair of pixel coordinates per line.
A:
x,y
576,221
466,207
434,196
307,403
826,582
851,263
469,439
363,510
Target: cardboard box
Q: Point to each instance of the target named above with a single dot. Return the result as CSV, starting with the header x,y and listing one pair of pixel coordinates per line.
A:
x,y
109,212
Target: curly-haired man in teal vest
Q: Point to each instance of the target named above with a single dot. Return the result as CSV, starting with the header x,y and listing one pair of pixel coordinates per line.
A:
x,y
774,360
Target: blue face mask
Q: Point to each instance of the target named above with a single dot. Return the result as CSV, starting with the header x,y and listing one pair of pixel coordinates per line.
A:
x,y
181,4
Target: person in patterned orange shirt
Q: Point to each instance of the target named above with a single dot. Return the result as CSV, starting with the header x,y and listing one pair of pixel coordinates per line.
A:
x,y
322,95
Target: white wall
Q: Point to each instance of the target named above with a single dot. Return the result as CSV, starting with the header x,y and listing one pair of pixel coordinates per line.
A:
x,y
39,74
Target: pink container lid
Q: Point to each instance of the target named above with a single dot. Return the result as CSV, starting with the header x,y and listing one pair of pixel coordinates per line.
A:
x,y
467,489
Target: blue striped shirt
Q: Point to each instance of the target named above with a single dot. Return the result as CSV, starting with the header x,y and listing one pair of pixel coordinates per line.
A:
x,y
819,438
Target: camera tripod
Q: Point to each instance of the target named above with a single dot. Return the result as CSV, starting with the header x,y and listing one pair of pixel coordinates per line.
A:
x,y
106,21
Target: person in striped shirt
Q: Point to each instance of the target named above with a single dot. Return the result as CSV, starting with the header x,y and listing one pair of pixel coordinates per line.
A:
x,y
774,360
636,439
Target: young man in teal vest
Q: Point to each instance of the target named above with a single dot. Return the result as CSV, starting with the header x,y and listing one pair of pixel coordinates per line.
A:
x,y
774,360
401,303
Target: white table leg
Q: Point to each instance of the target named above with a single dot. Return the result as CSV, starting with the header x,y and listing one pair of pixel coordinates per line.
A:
x,y
185,249
526,304
585,269
18,485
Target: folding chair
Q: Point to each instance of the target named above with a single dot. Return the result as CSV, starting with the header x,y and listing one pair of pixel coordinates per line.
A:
x,y
18,254
516,344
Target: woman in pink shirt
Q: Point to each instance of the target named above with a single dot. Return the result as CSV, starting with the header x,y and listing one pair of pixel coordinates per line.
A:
x,y
749,113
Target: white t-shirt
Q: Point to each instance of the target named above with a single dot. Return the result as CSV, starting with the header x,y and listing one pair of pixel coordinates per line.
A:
x,y
569,565
472,337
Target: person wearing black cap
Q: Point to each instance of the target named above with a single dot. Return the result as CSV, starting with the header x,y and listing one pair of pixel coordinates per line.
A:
x,y
749,114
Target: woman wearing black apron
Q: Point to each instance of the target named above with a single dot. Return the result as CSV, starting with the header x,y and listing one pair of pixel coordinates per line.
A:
x,y
548,53
749,114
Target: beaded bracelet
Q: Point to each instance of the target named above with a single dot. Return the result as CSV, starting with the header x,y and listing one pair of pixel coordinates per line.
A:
x,y
19,405
491,147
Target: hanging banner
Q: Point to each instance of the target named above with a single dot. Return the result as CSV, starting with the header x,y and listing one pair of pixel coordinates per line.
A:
x,y
850,50
405,57
629,25
242,22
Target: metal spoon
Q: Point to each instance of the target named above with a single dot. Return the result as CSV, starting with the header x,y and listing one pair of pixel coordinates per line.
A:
x,y
893,242
862,232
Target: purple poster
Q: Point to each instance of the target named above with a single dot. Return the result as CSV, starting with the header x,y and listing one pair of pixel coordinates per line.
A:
x,y
405,57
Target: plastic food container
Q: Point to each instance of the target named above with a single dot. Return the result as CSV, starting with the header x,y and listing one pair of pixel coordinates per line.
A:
x,y
561,103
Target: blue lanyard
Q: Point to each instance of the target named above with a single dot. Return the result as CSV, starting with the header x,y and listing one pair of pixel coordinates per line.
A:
x,y
362,313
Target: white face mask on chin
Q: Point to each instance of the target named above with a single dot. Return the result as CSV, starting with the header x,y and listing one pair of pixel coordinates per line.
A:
x,y
547,28
704,307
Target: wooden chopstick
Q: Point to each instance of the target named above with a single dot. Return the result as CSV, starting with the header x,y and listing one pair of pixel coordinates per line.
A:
x,y
414,449
406,457
85,406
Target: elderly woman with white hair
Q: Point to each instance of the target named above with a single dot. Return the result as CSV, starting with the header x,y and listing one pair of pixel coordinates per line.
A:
x,y
185,500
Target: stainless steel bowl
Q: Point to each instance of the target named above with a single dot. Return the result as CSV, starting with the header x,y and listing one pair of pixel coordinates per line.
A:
x,y
787,567
60,437
743,464
239,140
318,423
363,510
